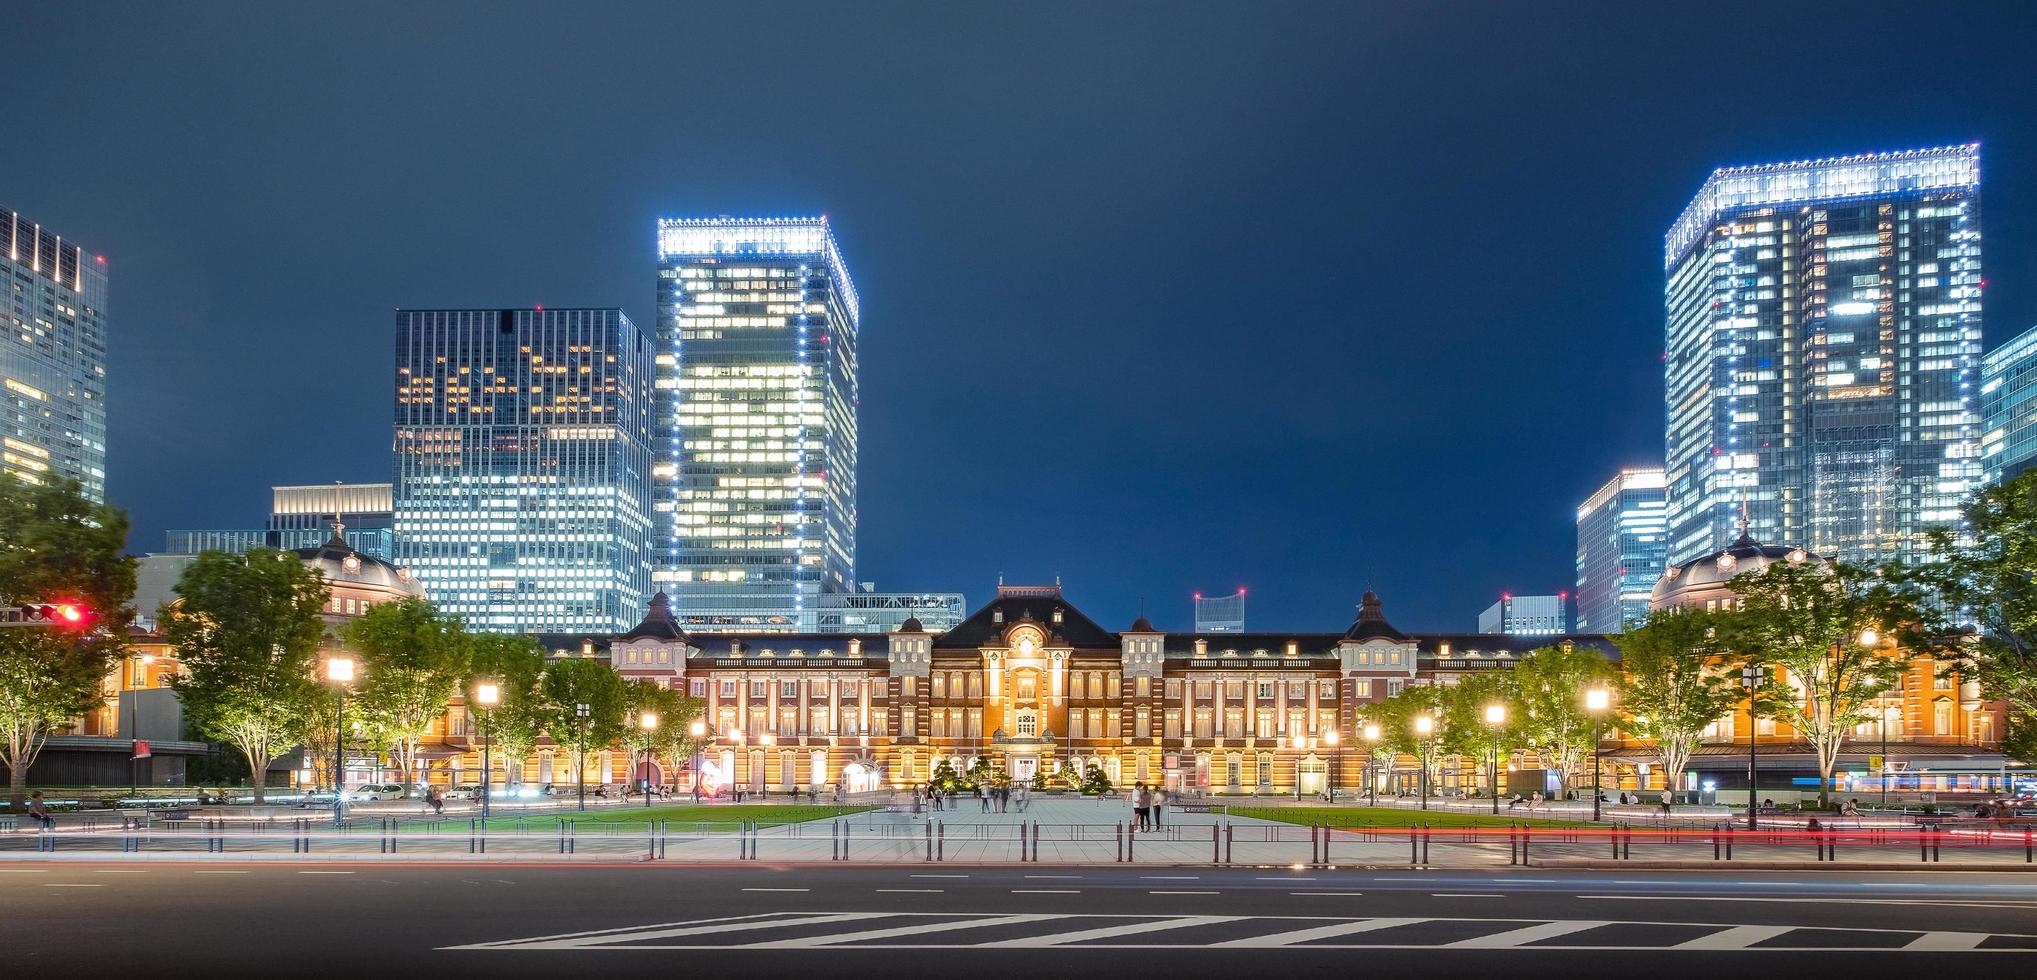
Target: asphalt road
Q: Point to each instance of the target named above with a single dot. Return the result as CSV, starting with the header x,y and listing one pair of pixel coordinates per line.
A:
x,y
513,920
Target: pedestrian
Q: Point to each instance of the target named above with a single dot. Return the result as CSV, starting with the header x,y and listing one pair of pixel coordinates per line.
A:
x,y
1159,804
435,798
1140,801
983,798
40,813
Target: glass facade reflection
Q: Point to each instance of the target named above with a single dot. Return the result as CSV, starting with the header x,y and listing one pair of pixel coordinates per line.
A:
x,y
755,479
1622,537
523,465
1823,328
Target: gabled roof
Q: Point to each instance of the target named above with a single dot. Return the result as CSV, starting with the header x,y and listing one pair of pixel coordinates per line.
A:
x,y
1038,603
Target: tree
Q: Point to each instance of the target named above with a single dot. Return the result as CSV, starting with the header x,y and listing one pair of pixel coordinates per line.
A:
x,y
1095,782
1396,716
1671,687
1466,732
247,630
1988,576
413,660
1806,619
671,738
1553,720
575,681
55,544
513,662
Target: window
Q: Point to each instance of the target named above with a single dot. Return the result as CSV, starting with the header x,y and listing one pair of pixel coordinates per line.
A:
x,y
940,685
697,687
1028,723
975,685
1144,687
1142,724
940,723
1265,690
757,690
1263,724
1297,690
1362,689
1234,723
1172,725
819,689
1202,690
1026,687
1203,721
1941,717
788,690
1326,691
1265,770
1075,726
1172,687
1234,690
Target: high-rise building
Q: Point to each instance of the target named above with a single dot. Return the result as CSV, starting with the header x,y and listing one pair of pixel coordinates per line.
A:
x,y
755,477
54,364
1622,536
1527,615
1221,613
523,465
2008,408
303,517
1824,332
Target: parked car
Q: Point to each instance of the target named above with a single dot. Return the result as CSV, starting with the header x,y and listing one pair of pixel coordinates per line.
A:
x,y
467,791
376,792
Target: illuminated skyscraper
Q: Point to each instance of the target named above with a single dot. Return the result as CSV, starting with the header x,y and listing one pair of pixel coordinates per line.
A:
x,y
755,479
53,411
1527,615
2008,403
1622,534
1823,355
523,466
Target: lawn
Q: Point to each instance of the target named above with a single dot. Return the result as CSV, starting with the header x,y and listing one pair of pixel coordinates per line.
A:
x,y
1384,816
688,816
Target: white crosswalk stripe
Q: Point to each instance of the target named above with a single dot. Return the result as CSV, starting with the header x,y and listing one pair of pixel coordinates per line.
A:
x,y
1083,930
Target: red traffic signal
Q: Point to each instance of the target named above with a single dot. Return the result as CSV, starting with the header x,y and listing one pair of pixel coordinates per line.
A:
x,y
59,613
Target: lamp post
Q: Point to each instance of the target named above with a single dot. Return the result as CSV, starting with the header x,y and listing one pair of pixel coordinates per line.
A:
x,y
583,713
698,730
136,682
1495,719
1868,638
486,694
1371,749
648,721
339,671
1596,701
1424,727
1336,760
763,775
1751,678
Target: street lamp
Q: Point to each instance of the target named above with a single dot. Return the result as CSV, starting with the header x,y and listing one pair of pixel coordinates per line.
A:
x,y
699,731
1751,678
763,773
1496,719
648,721
1336,760
137,680
584,714
486,694
339,671
1424,727
1596,701
1371,749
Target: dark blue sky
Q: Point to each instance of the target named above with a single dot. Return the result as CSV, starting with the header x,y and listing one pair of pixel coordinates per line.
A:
x,y
1306,298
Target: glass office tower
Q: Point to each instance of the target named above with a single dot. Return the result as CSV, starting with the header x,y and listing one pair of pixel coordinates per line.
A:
x,y
1527,615
523,466
53,367
755,477
2008,408
1622,536
1824,331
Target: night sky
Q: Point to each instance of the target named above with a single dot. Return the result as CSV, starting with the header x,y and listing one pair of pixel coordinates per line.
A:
x,y
1304,298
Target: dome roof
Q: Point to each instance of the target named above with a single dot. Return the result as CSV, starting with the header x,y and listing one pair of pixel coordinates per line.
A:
x,y
911,625
1720,567
658,622
342,565
1142,625
1371,623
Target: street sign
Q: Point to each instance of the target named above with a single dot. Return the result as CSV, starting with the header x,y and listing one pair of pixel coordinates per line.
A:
x,y
141,748
1875,762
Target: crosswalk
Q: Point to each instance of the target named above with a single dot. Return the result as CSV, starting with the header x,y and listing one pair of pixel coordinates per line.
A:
x,y
954,930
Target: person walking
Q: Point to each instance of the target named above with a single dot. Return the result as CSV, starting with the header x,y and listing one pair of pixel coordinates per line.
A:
x,y
983,798
1141,800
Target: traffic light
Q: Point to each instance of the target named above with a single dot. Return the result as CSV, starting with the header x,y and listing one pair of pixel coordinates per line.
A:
x,y
60,614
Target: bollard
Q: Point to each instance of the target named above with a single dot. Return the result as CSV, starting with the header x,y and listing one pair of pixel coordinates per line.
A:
x,y
1215,846
471,842
664,837
1120,858
1022,841
1131,841
1414,851
572,838
941,842
1326,845
1230,833
1036,842
930,840
1425,844
2027,853
834,840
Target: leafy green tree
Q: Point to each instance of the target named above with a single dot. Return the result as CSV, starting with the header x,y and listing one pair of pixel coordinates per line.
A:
x,y
945,779
1807,619
1095,782
1672,685
247,630
513,662
1039,783
573,681
55,544
1396,717
1987,575
1466,731
671,738
1553,720
413,660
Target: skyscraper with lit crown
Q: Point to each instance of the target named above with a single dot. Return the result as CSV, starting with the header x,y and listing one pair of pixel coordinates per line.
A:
x,y
756,412
1823,352
53,366
1621,537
